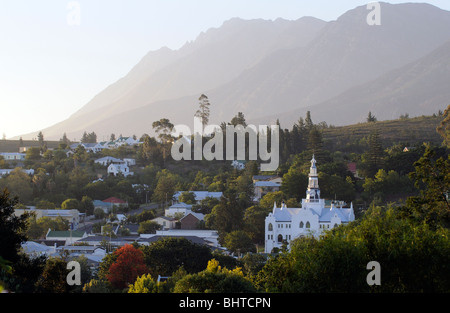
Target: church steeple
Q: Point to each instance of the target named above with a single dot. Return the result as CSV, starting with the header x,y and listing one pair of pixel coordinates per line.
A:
x,y
313,192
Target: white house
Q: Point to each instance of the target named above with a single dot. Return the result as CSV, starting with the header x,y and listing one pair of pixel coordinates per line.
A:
x,y
126,141
4,172
178,208
13,156
165,221
285,224
116,169
105,161
199,195
129,161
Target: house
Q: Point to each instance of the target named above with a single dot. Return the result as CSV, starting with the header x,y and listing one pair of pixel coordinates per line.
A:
x,y
211,237
166,222
239,165
351,166
129,161
129,141
116,202
181,207
264,187
285,224
105,206
119,169
10,156
256,178
74,217
199,195
35,250
67,235
4,172
109,160
191,220
407,149
264,184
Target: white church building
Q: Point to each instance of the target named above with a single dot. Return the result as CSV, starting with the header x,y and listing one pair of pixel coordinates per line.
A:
x,y
285,224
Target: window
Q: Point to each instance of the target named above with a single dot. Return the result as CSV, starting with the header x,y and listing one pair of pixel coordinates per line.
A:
x,y
302,225
270,227
280,238
308,225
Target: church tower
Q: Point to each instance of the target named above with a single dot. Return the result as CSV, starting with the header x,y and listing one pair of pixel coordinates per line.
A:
x,y
313,191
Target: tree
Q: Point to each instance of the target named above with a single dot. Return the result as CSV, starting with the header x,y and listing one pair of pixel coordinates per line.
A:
x,y
239,242
86,206
41,139
187,197
294,183
373,159
308,121
145,284
444,127
148,227
167,255
89,138
371,118
215,279
33,154
53,278
19,184
12,228
203,112
164,129
70,204
65,141
239,119
127,267
432,177
165,188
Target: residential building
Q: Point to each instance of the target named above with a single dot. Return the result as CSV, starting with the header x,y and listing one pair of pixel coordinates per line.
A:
x,y
113,201
199,195
166,222
181,207
119,169
192,220
285,224
10,156
74,217
4,172
264,187
105,161
69,236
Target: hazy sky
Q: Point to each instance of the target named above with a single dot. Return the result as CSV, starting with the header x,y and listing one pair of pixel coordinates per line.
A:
x,y
50,66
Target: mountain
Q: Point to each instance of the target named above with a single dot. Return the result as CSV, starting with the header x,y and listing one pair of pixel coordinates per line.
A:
x,y
270,69
418,88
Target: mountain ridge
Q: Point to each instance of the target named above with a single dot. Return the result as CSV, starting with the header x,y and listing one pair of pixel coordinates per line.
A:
x,y
261,68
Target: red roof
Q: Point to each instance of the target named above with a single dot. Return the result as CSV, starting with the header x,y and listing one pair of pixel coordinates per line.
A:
x,y
352,167
114,200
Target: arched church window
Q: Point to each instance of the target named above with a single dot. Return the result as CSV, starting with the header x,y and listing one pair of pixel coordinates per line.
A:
x,y
280,238
302,225
308,225
270,227
335,225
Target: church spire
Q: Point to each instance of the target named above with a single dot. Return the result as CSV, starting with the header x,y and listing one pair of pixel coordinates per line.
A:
x,y
313,192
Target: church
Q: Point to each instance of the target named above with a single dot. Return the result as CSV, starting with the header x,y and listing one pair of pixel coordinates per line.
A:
x,y
285,224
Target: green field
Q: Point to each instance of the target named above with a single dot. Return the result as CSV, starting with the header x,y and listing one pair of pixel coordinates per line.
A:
x,y
407,131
